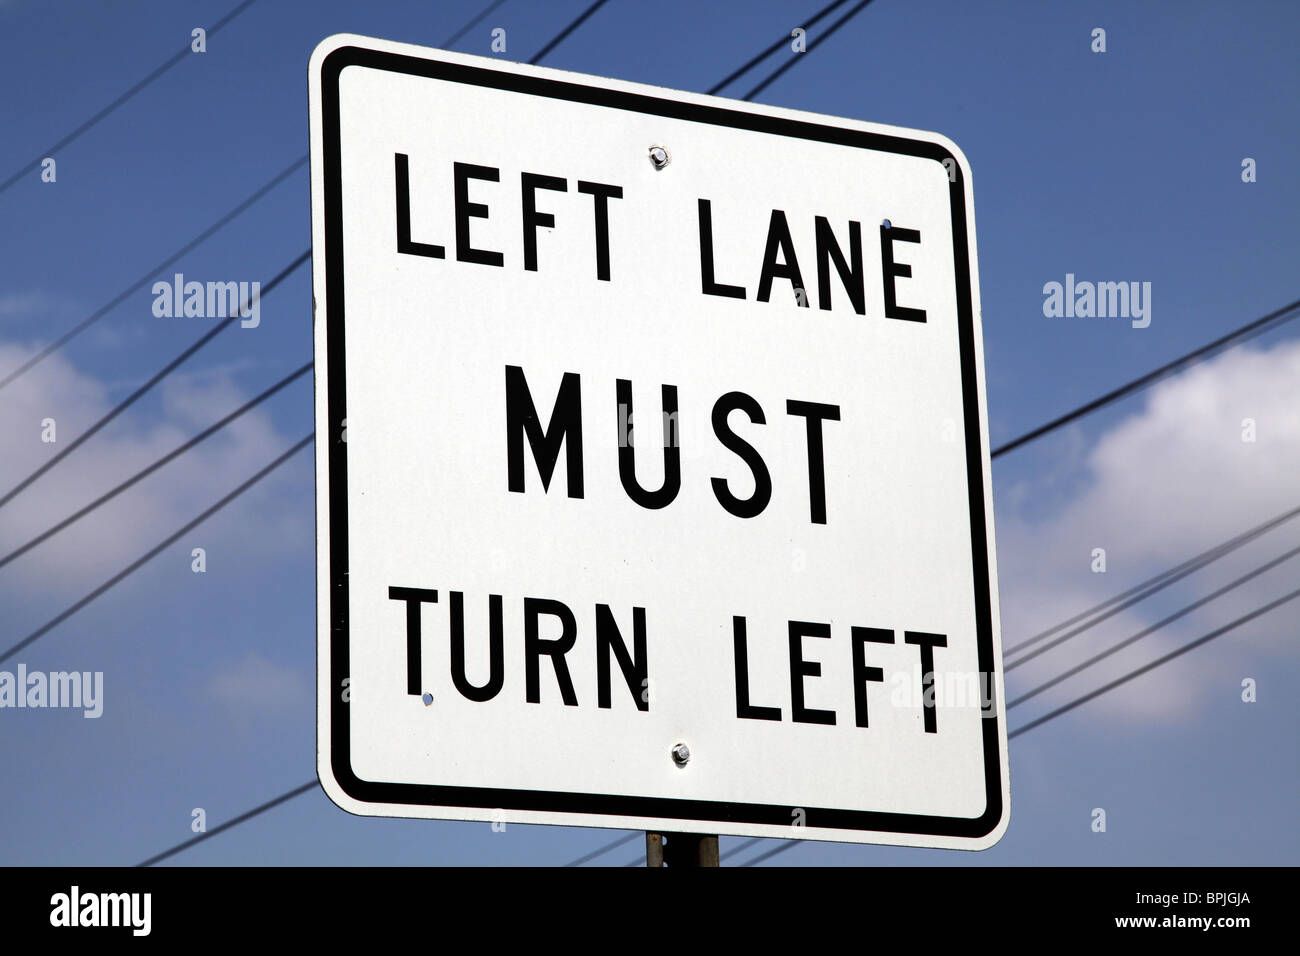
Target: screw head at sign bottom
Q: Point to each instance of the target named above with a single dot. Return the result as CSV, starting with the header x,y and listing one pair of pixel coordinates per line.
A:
x,y
681,754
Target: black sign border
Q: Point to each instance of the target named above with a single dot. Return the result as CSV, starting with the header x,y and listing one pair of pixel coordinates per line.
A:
x,y
662,808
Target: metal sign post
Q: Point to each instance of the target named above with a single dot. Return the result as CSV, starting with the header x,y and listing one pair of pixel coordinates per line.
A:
x,y
681,849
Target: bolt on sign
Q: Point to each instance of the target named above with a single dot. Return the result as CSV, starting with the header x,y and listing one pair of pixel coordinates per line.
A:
x,y
652,460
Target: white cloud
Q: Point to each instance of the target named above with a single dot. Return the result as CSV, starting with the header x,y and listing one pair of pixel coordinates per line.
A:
x,y
85,554
1169,481
22,304
256,686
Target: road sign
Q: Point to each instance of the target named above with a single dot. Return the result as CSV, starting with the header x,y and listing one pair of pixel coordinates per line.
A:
x,y
652,460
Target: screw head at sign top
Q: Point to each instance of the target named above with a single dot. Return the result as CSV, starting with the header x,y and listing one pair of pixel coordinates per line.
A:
x,y
681,754
659,157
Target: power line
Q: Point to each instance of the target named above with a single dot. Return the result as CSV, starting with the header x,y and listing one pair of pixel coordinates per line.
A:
x,y
207,337
742,848
1141,670
203,340
1154,664
788,845
152,273
269,805
602,850
189,246
759,58
1113,611
780,71
158,377
174,453
564,34
155,550
1235,337
1163,579
1181,612
1172,578
472,23
1242,334
113,106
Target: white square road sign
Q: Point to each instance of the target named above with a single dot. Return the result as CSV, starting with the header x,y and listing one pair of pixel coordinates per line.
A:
x,y
652,467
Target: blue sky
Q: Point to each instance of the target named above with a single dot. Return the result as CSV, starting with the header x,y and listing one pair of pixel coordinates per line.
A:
x,y
1115,166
